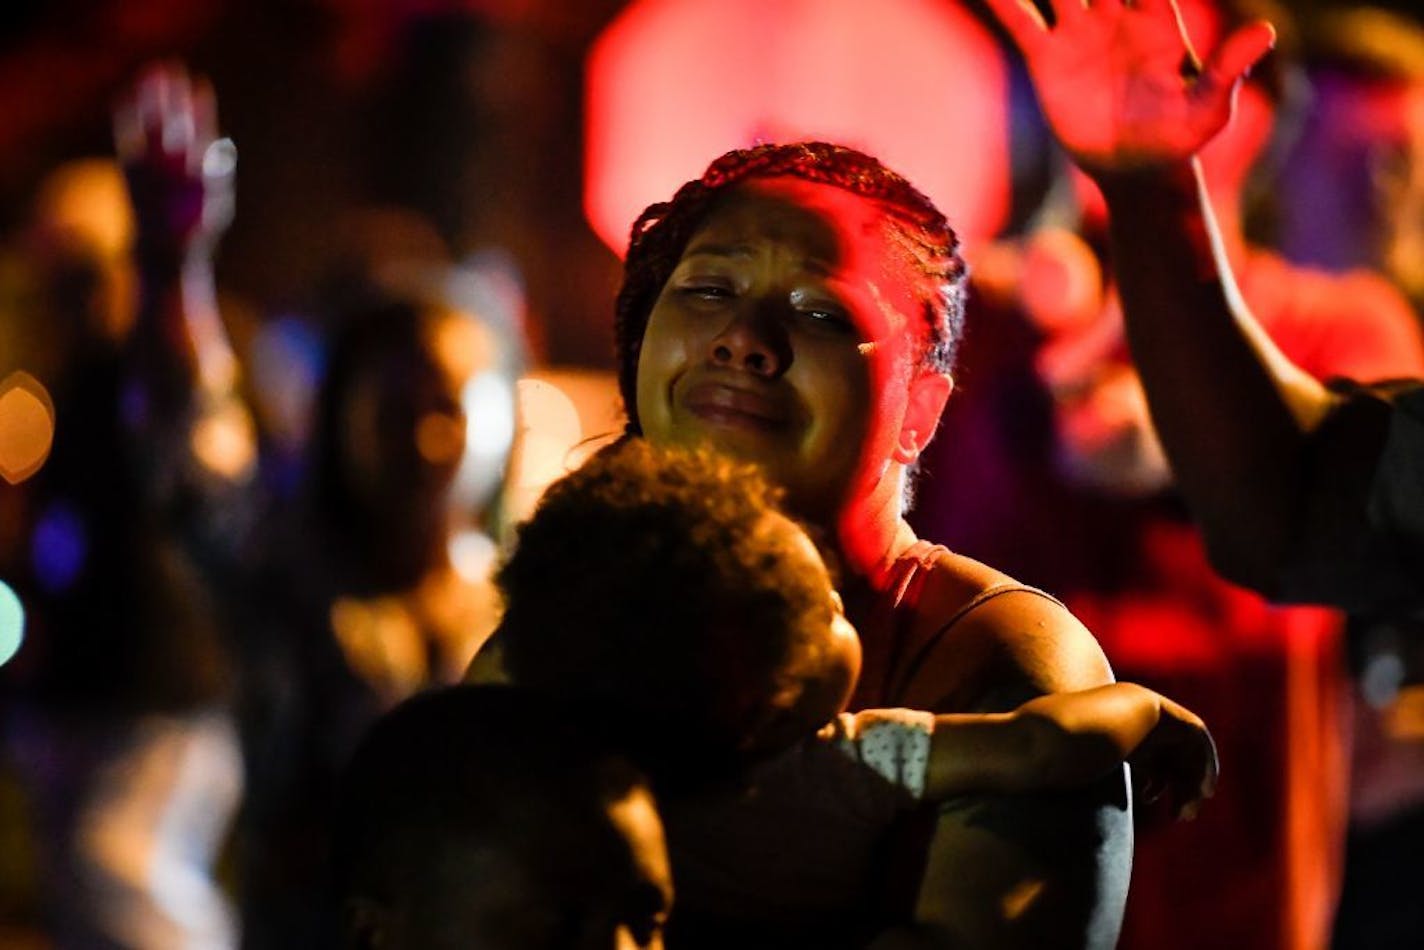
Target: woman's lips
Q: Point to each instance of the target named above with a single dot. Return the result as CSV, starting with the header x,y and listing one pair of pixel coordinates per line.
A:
x,y
721,404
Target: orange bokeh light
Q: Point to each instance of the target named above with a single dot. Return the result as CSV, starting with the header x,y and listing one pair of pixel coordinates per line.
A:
x,y
26,426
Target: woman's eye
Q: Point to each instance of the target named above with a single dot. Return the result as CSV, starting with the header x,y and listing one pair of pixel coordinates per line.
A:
x,y
829,318
704,291
820,310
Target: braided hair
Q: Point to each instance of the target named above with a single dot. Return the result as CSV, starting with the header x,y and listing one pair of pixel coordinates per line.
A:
x,y
661,233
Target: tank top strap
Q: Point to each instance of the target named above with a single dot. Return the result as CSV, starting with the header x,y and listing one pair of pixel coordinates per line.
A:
x,y
905,674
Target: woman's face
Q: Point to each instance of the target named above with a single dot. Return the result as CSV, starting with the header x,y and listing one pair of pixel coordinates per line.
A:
x,y
787,335
403,425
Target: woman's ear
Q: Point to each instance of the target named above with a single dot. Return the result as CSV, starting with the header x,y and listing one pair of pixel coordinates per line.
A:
x,y
928,394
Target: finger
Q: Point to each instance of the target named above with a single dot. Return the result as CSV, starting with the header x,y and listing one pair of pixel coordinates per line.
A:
x,y
128,130
178,120
1023,22
220,160
1192,781
150,98
1233,59
1213,769
205,111
1066,11
1191,62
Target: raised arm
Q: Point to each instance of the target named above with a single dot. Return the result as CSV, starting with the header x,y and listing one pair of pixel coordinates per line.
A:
x,y
189,435
180,177
1118,85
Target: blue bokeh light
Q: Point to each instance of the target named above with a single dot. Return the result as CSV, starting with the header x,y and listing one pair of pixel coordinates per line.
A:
x,y
12,623
58,548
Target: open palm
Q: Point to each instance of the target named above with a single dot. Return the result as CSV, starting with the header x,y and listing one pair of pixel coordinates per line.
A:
x,y
1110,79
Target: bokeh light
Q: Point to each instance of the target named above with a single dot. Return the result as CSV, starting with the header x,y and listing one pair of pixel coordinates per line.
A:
x,y
564,416
472,555
225,441
440,437
59,547
550,420
490,412
88,200
12,623
920,84
26,426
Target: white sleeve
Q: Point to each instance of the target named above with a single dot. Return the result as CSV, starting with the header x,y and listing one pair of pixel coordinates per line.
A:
x,y
894,743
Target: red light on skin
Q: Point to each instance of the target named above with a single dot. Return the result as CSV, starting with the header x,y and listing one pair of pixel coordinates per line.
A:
x,y
918,84
838,385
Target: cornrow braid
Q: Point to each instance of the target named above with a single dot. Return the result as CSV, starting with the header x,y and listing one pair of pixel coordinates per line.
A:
x,y
662,233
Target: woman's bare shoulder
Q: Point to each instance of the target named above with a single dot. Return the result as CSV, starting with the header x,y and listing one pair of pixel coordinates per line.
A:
x,y
984,640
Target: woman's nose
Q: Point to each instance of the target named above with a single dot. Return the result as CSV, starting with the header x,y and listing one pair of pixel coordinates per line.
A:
x,y
753,342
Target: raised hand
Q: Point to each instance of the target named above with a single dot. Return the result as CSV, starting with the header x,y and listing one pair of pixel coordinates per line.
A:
x,y
1118,81
180,178
180,174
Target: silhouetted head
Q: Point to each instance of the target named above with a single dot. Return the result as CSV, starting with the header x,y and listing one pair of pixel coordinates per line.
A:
x,y
482,817
662,588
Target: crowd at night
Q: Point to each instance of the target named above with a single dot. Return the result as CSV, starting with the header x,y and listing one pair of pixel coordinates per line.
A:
x,y
912,475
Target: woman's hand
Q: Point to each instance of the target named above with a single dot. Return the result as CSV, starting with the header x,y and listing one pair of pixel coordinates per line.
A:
x,y
1118,81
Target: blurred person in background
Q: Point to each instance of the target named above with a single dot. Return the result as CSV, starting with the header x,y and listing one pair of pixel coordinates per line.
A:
x,y
1352,196
1050,466
151,523
363,578
375,579
1351,191
124,732
366,581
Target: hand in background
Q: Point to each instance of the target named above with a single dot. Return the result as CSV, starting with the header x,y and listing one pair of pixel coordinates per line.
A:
x,y
180,179
1118,82
179,172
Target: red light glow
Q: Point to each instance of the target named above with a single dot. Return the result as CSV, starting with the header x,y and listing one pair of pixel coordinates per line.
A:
x,y
674,83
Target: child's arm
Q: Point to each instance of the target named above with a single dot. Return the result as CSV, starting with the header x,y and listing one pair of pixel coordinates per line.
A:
x,y
1070,739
